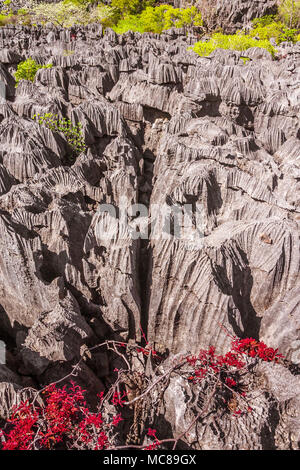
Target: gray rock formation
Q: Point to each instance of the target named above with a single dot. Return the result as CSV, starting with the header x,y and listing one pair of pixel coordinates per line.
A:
x,y
163,127
231,15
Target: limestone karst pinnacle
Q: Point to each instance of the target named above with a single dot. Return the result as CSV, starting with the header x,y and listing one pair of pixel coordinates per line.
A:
x,y
162,126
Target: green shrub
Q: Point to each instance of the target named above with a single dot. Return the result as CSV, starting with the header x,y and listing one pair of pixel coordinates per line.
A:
x,y
65,14
27,70
73,133
264,20
6,8
108,16
245,60
267,28
131,7
180,17
3,19
129,23
121,15
237,42
158,19
6,14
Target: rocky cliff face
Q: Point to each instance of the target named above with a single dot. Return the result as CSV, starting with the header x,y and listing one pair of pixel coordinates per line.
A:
x,y
231,15
163,127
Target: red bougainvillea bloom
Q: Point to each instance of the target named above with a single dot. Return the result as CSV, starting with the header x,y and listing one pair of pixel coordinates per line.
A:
x,y
152,432
230,382
152,446
117,398
117,419
254,348
62,420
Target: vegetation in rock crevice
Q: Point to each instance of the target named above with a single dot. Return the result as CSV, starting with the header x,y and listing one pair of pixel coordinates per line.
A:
x,y
27,70
72,133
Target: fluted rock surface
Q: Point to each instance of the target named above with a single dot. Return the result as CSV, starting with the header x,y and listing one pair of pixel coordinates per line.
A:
x,y
234,14
163,127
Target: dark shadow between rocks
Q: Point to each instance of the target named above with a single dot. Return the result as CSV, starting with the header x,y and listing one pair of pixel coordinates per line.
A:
x,y
240,291
268,431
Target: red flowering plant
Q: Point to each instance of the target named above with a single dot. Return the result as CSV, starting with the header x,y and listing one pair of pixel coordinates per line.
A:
x,y
63,419
256,349
156,443
228,371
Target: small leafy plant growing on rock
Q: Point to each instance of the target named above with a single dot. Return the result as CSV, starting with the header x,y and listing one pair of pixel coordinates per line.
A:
x,y
27,70
73,133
